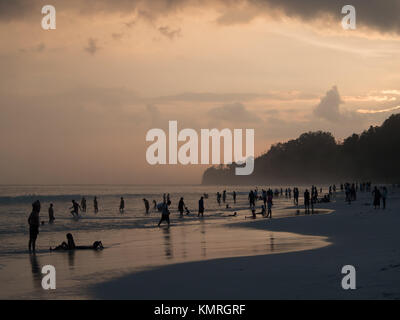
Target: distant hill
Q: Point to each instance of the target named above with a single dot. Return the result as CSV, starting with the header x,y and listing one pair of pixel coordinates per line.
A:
x,y
316,157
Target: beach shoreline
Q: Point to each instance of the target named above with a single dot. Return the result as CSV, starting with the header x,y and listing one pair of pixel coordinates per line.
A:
x,y
359,235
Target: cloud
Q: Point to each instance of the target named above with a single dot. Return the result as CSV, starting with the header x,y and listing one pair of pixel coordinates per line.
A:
x,y
170,33
329,107
231,97
92,47
117,36
394,92
368,111
235,113
383,16
38,48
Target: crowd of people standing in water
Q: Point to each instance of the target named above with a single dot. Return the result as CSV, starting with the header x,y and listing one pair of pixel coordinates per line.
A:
x,y
267,196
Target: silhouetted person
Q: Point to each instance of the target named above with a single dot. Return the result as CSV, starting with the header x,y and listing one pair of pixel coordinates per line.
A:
x,y
377,197
33,222
234,196
296,196
168,200
181,207
146,205
251,199
201,207
307,201
95,205
219,198
70,245
164,214
384,196
224,196
51,213
75,208
122,205
269,205
253,212
83,204
264,196
263,210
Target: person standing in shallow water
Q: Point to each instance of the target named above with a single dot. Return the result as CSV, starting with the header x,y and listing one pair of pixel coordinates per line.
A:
x,y
51,214
234,196
201,207
307,201
95,205
33,222
164,214
83,204
122,205
181,207
146,205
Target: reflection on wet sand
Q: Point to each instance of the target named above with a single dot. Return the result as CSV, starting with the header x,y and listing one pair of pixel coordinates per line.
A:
x,y
71,259
203,239
36,271
271,241
168,243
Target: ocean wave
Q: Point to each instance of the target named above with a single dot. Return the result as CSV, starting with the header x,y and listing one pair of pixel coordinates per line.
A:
x,y
67,197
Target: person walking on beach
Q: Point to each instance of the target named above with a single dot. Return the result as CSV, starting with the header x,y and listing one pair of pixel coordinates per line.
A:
x,y
307,201
122,205
168,200
234,197
95,205
33,222
251,199
219,198
83,204
75,208
146,205
224,196
377,198
264,197
296,196
269,205
201,207
164,214
384,196
181,206
51,214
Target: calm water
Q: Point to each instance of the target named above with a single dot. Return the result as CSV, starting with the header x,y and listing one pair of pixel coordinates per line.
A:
x,y
132,240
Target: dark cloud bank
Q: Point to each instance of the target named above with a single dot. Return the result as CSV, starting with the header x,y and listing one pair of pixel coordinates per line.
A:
x,y
383,16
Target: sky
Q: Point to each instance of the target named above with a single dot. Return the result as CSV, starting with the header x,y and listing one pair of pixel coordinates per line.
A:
x,y
76,102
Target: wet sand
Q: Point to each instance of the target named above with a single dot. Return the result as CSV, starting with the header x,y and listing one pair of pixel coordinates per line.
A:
x,y
135,251
360,236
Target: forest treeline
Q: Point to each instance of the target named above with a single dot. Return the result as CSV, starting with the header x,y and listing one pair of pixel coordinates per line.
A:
x,y
316,157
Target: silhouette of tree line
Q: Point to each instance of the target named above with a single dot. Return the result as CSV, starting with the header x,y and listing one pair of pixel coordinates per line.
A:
x,y
316,157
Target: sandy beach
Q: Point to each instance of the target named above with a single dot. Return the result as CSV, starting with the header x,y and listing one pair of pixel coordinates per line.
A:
x,y
221,256
358,235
